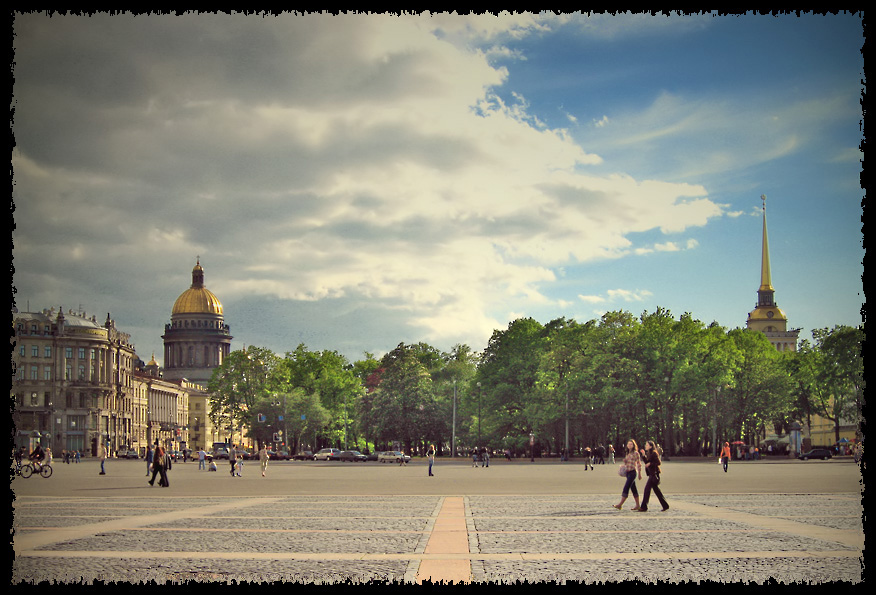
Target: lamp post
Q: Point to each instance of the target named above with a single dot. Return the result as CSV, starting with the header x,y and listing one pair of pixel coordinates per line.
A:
x,y
453,431
480,392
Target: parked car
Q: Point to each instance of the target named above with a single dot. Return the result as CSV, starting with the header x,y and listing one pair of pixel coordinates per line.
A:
x,y
353,456
372,456
393,456
815,453
128,454
220,453
303,455
327,454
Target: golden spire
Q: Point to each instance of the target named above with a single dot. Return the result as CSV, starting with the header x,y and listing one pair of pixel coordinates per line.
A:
x,y
766,282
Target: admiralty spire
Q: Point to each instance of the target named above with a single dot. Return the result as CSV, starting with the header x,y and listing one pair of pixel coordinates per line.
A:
x,y
767,317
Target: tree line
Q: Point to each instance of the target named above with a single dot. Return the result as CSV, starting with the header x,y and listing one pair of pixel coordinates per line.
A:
x,y
686,385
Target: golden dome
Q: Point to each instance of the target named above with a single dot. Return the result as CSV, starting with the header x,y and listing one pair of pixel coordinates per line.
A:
x,y
197,299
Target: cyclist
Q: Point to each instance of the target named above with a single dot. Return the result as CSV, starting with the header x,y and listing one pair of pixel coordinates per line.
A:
x,y
37,455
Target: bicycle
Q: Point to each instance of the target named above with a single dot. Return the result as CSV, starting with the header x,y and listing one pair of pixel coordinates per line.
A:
x,y
28,469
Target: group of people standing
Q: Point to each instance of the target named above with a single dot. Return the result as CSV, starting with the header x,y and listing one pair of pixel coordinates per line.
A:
x,y
634,461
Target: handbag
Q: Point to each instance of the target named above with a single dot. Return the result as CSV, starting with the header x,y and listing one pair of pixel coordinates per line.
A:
x,y
622,471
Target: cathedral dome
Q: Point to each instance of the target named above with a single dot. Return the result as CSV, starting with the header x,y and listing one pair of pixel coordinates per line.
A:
x,y
197,299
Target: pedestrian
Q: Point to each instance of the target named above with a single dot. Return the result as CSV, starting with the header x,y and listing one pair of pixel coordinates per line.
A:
x,y
102,454
430,454
48,460
725,456
588,458
474,457
78,455
600,455
202,459
631,465
263,458
611,454
485,457
149,454
651,459
159,460
232,458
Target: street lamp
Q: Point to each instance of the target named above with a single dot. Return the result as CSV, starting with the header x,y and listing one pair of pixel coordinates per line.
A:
x,y
480,393
453,433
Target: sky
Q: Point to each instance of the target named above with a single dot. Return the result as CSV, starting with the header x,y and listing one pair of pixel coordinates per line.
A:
x,y
354,182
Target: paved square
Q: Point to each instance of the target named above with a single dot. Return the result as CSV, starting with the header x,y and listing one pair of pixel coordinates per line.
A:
x,y
334,522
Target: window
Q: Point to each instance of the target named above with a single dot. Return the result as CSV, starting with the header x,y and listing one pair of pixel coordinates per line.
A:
x,y
21,351
47,352
33,329
34,399
47,373
81,371
35,351
82,353
68,353
68,372
34,373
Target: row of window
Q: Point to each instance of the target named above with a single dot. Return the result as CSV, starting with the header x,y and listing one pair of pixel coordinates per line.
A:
x,y
34,329
200,324
47,351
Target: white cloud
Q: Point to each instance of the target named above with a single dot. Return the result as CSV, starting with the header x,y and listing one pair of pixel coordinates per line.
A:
x,y
313,158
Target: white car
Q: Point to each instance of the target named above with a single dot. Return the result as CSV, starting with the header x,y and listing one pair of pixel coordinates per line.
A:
x,y
327,454
393,456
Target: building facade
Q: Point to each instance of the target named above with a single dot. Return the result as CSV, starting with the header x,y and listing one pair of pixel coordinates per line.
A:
x,y
73,382
163,416
197,340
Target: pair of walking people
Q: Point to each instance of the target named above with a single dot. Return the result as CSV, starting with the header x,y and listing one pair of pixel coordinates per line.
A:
x,y
161,464
632,466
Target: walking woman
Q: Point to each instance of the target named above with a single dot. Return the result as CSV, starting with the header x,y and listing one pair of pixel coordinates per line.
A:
x,y
725,456
633,464
159,467
651,458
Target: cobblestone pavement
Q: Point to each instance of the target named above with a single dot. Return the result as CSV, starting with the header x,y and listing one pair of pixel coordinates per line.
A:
x,y
788,538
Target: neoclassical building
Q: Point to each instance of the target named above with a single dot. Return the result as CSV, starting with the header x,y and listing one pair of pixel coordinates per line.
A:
x,y
73,382
767,317
196,340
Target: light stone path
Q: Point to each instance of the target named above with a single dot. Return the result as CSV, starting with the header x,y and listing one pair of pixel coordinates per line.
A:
x,y
68,531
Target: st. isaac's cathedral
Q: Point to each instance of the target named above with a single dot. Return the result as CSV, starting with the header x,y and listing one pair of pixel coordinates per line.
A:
x,y
196,340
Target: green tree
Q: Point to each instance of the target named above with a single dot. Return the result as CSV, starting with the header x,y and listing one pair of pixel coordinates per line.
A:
x,y
245,378
403,406
762,387
330,376
504,384
833,374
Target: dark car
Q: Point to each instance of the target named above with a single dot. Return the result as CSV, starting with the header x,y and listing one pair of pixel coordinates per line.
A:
x,y
353,456
371,456
303,455
816,453
278,455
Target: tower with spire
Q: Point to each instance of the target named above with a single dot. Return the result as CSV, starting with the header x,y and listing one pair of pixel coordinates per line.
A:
x,y
767,317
